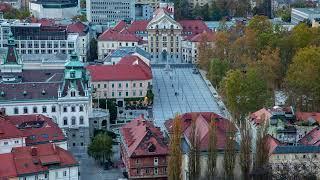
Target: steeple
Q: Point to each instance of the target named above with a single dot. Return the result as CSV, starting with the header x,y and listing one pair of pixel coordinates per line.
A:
x,y
11,62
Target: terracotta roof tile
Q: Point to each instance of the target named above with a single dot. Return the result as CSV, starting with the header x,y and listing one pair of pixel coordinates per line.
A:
x,y
306,116
138,25
112,35
78,27
8,130
192,27
7,168
311,138
136,69
120,25
139,134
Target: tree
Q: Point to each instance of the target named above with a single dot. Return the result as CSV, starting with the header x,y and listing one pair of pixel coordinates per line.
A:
x,y
13,13
212,149
261,164
175,158
194,156
229,152
244,92
217,70
82,18
205,52
181,9
303,80
101,148
197,11
214,12
245,148
93,50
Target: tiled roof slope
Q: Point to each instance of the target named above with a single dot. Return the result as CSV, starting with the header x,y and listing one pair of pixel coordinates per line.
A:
x,y
135,70
78,27
139,134
112,35
38,128
202,127
312,138
193,27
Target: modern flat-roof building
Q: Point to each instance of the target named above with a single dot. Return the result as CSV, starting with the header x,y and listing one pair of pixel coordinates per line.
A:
x,y
54,9
301,14
102,11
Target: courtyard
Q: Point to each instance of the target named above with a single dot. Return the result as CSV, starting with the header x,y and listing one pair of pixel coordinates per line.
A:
x,y
180,89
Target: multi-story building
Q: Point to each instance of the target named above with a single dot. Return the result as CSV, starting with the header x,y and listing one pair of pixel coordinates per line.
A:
x,y
143,150
154,3
116,56
300,14
44,161
35,38
112,39
202,125
143,11
131,77
29,130
63,95
190,46
83,40
164,37
102,12
14,3
53,9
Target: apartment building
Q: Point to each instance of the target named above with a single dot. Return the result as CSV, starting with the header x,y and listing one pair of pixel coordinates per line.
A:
x,y
300,14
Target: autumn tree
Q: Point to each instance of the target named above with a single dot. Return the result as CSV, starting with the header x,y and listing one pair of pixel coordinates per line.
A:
x,y
217,70
205,52
212,149
175,159
303,79
229,152
194,152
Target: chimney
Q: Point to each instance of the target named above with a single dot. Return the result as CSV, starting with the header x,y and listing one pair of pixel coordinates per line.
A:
x,y
34,151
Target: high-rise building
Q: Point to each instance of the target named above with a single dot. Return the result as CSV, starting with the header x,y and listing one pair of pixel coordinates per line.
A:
x,y
104,11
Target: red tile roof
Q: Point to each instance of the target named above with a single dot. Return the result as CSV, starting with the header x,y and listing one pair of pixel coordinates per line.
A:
x,y
112,35
7,168
78,27
138,25
312,138
306,116
207,36
139,135
33,159
273,143
134,69
202,126
193,27
257,116
37,128
120,25
46,22
8,130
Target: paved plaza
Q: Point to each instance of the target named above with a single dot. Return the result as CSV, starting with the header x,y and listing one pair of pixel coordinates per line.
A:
x,y
180,89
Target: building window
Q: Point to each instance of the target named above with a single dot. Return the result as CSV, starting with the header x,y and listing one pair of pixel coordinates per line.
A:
x,y
98,85
137,161
155,160
140,93
64,173
155,171
120,94
73,109
140,84
65,121
147,171
119,85
35,110
73,94
16,142
16,110
134,85
53,109
73,120
44,109
25,110
127,85
105,85
127,93
112,94
112,85
133,93
65,109
81,120
5,143
81,108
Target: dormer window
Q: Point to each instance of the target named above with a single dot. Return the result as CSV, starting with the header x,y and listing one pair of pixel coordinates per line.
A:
x,y
73,93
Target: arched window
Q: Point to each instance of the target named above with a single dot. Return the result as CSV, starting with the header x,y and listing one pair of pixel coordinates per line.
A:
x,y
35,109
65,121
81,120
25,110
73,109
73,120
81,108
53,109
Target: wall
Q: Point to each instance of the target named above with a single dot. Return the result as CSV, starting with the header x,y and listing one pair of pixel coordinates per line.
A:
x,y
10,143
105,47
70,173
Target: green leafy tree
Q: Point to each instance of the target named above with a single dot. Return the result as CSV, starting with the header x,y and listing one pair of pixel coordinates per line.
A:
x,y
244,92
303,79
82,18
214,12
197,11
175,158
229,152
217,70
245,148
212,149
101,148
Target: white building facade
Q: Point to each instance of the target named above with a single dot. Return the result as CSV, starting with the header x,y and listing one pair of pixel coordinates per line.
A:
x,y
54,10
